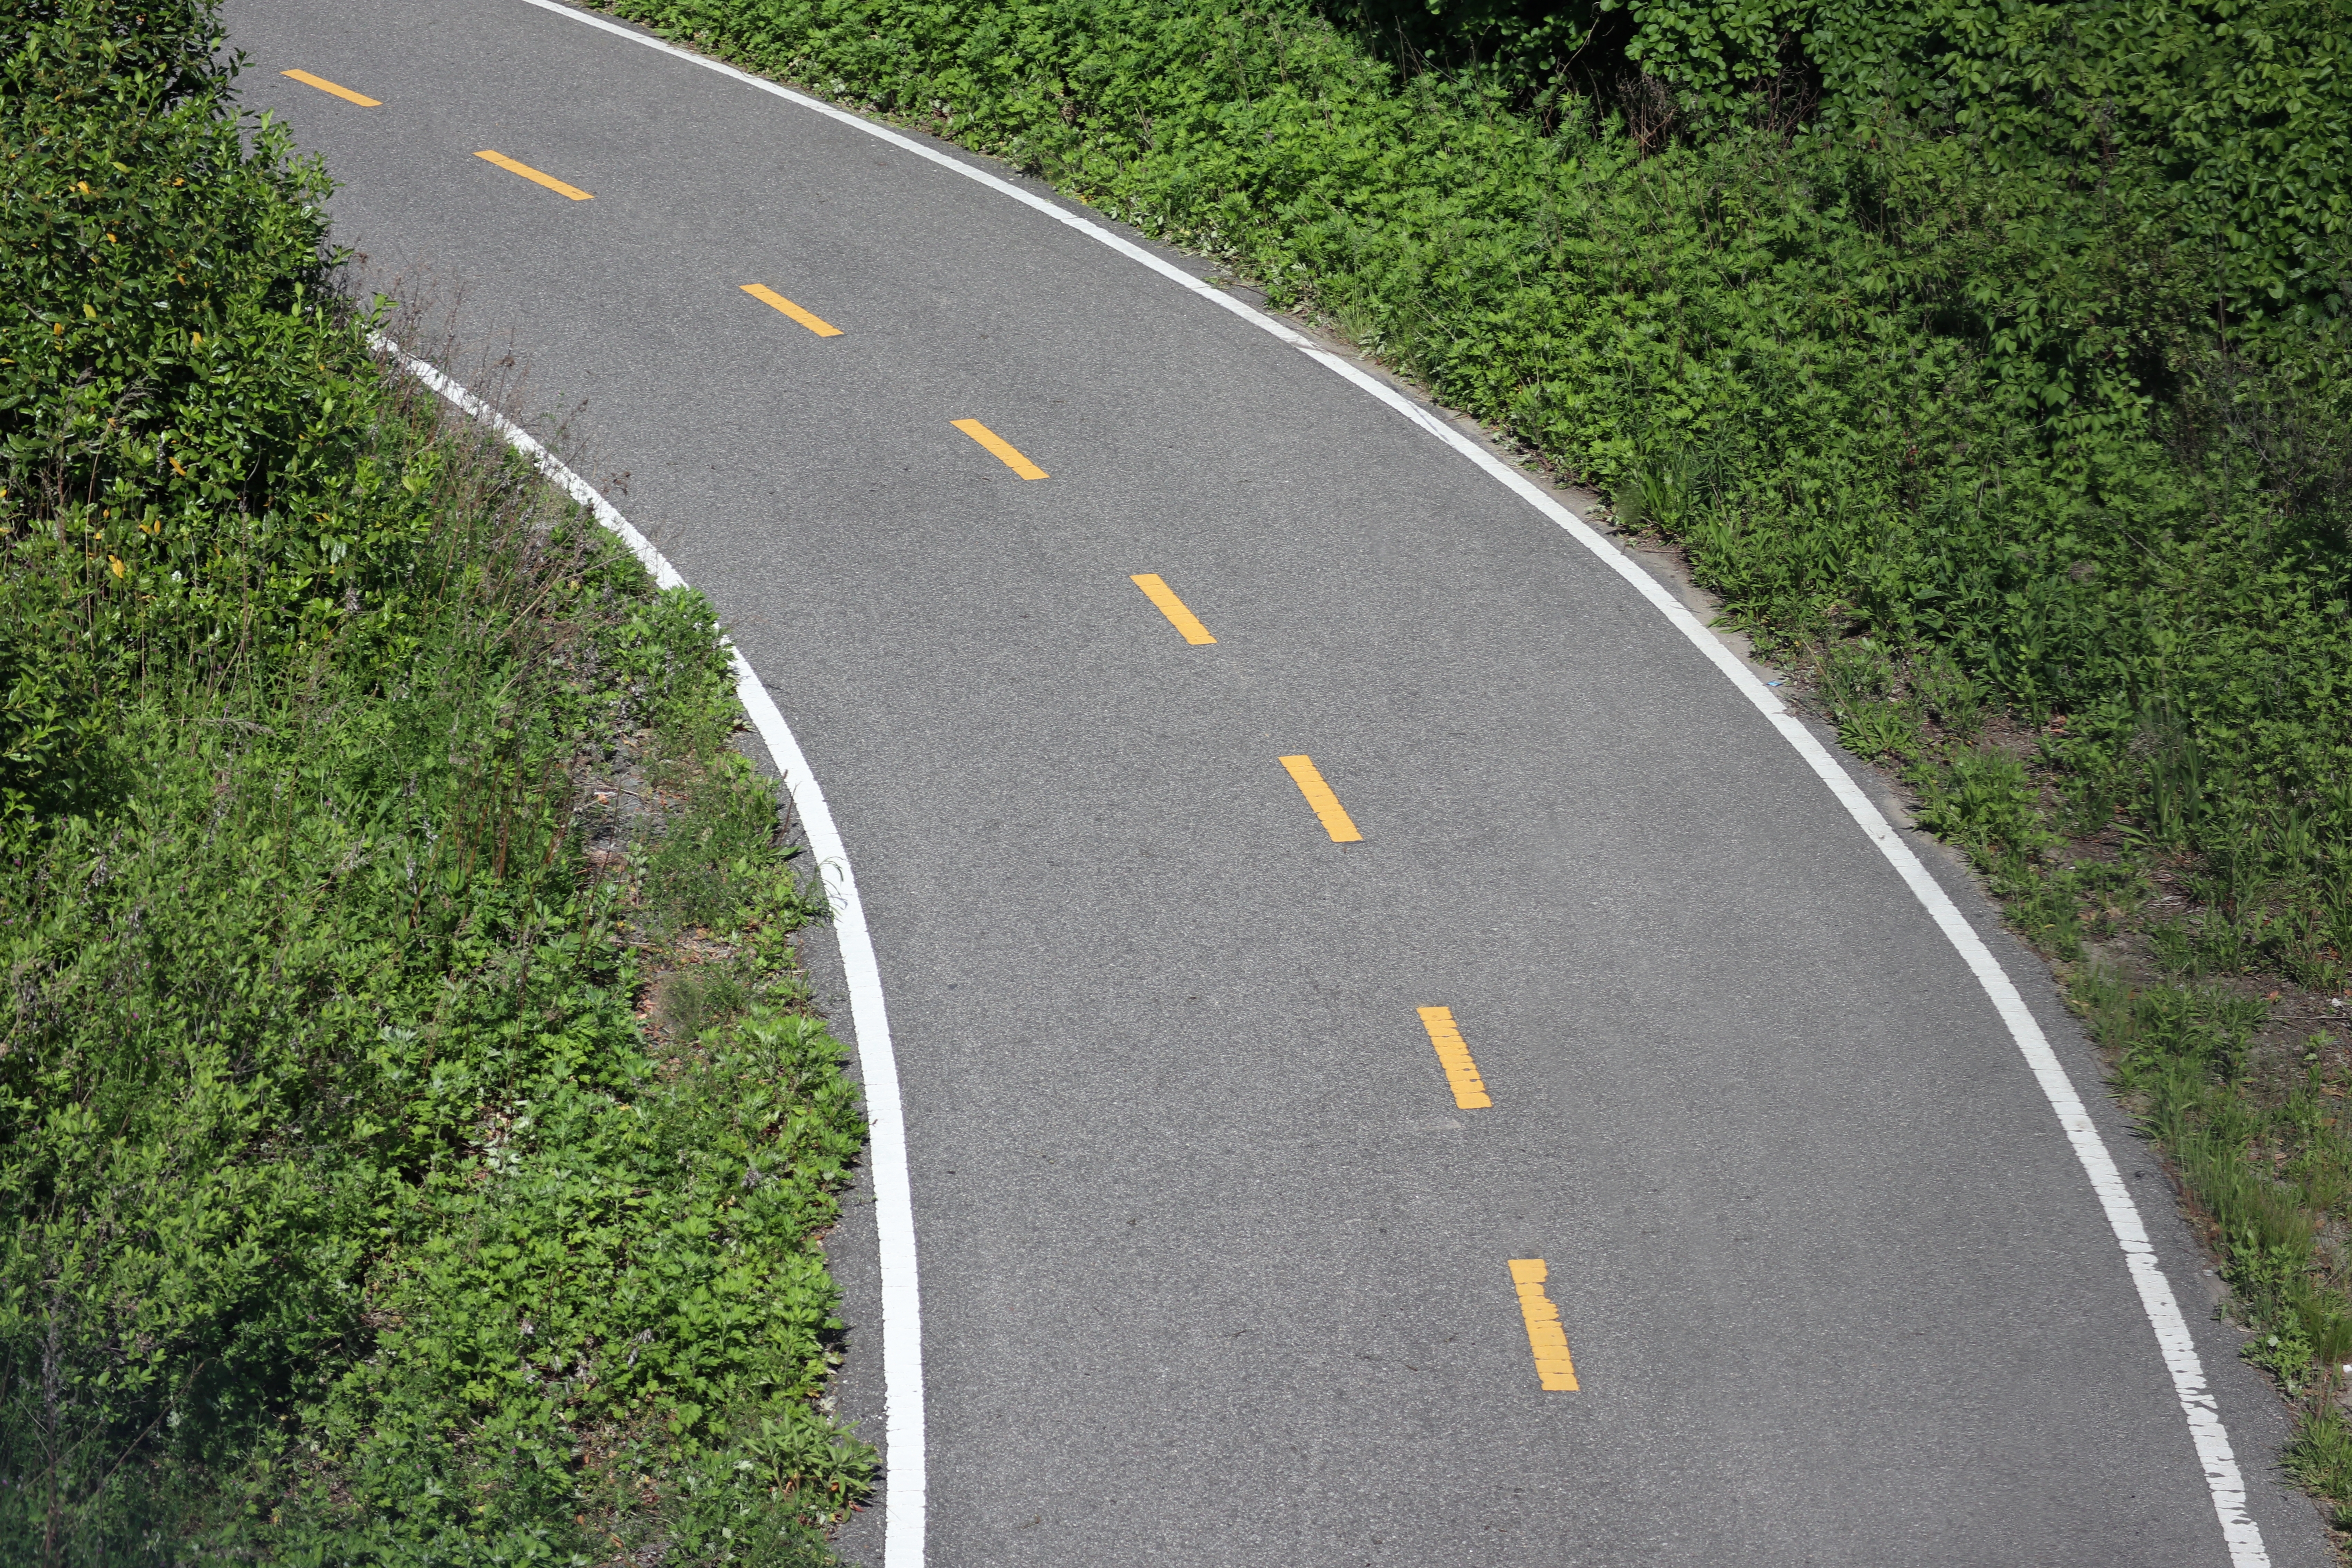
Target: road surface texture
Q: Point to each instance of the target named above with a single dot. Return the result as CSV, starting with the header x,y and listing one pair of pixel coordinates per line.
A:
x,y
1214,1267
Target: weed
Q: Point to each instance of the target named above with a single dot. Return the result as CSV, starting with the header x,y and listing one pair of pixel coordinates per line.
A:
x,y
1946,695
693,1000
2320,1459
1879,730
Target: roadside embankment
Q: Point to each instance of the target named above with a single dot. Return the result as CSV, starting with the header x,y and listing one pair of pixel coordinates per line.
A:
x,y
417,1142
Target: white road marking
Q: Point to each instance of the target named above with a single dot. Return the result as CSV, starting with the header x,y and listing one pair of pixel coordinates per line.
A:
x,y
903,1548
885,1150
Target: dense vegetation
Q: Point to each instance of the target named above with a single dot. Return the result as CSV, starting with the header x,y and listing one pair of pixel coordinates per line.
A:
x,y
1989,358
353,793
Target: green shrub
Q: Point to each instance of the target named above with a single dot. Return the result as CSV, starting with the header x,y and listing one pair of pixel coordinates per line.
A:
x,y
187,469
2247,106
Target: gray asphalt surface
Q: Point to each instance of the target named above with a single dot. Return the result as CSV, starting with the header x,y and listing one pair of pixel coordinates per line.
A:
x,y
1214,1271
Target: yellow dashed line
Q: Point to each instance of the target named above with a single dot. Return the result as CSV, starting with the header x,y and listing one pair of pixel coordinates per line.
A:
x,y
1335,821
1182,620
528,173
1002,448
1453,1055
323,85
768,296
1554,1370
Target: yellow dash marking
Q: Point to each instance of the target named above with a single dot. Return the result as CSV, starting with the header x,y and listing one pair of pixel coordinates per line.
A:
x,y
323,85
1182,620
768,296
528,173
1545,1336
1326,805
1453,1055
1002,448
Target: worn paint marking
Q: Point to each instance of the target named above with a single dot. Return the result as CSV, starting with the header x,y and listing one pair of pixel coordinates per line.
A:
x,y
1554,1370
1453,1055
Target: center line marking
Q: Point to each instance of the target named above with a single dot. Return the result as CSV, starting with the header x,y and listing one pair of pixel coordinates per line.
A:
x,y
1453,1055
1182,620
1004,450
1319,794
323,85
768,296
1545,1336
528,173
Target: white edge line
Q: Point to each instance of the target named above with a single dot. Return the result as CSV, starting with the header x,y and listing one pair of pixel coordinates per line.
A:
x,y
2223,1479
904,1502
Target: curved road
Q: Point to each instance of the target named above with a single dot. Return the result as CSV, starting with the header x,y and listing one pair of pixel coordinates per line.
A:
x,y
1214,1267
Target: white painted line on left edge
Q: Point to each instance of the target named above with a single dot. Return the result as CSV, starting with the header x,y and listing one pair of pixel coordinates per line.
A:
x,y
902,1308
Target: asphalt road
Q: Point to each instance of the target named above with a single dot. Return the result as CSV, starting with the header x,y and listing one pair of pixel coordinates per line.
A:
x,y
1214,1270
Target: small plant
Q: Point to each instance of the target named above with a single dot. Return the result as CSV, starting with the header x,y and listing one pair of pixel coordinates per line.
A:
x,y
2320,1459
1946,695
692,1000
1982,799
1854,674
1877,730
1660,495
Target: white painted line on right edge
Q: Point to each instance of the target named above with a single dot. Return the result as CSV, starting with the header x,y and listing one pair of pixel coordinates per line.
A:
x,y
903,1539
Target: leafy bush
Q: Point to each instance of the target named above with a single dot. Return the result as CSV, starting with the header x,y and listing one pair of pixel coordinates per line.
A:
x,y
187,471
2245,107
350,1212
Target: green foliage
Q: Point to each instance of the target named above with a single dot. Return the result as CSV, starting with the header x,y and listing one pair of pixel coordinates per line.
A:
x,y
340,1175
2245,104
2320,1458
1946,695
186,467
1982,800
351,1214
1541,52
